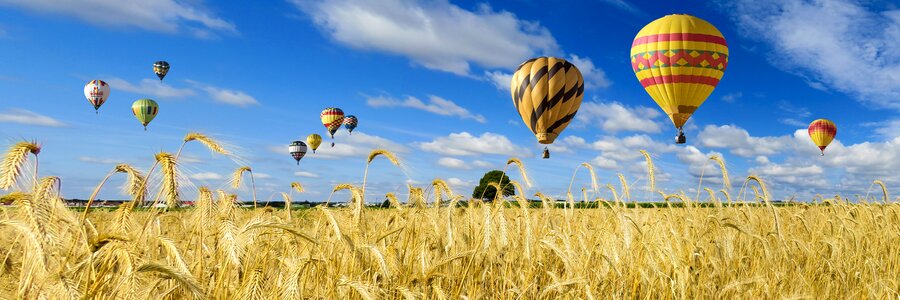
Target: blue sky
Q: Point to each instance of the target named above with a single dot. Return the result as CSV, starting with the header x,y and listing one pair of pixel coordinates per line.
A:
x,y
429,80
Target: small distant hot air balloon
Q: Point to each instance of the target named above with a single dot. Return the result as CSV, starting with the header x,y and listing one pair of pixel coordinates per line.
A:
x,y
314,140
679,59
161,68
350,122
822,132
96,92
144,110
298,150
332,118
547,92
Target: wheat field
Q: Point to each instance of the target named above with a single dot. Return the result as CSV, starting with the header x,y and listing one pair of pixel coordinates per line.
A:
x,y
431,247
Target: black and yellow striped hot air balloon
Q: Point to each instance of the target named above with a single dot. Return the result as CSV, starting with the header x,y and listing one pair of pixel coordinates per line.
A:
x,y
547,92
679,60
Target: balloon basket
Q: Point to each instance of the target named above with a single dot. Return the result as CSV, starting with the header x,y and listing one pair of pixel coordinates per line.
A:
x,y
546,153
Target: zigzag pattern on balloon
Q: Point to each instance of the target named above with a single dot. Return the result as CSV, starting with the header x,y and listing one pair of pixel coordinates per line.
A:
x,y
679,58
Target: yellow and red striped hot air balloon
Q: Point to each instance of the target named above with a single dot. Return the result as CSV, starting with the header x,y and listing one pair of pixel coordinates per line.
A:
x,y
679,59
547,92
822,132
332,118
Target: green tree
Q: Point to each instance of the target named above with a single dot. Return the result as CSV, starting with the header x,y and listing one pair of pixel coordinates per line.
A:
x,y
490,192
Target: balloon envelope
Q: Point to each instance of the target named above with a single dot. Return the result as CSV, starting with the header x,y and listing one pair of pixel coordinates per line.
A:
x,y
314,140
144,110
96,92
350,122
547,92
822,132
161,68
297,150
332,118
679,60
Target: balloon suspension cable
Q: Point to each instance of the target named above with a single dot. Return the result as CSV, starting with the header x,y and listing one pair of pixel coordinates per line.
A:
x,y
546,153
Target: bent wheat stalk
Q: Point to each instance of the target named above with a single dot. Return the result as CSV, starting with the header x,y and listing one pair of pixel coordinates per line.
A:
x,y
15,158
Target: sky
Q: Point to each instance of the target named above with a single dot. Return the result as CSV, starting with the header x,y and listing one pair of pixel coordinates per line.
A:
x,y
429,80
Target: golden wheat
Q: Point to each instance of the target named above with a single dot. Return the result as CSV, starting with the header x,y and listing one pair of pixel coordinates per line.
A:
x,y
217,250
12,164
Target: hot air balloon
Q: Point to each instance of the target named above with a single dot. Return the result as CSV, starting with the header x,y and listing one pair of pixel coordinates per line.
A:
x,y
314,140
350,123
822,132
96,92
298,150
144,110
679,59
332,118
161,68
547,92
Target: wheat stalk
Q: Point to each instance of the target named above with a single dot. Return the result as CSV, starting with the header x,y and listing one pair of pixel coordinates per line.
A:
x,y
726,182
651,179
210,144
441,186
521,166
169,180
14,160
236,177
372,155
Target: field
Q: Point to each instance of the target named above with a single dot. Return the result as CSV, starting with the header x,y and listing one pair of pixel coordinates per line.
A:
x,y
432,248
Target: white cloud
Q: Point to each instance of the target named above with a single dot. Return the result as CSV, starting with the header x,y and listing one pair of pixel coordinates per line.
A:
x,y
605,163
306,174
168,16
739,142
628,148
226,96
206,176
26,117
100,160
482,164
615,117
257,175
732,97
435,105
698,162
887,129
461,185
854,53
150,87
792,177
567,144
500,79
794,114
593,77
359,145
435,34
617,152
453,163
464,143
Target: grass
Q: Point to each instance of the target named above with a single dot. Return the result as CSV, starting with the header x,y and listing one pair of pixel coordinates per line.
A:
x,y
509,248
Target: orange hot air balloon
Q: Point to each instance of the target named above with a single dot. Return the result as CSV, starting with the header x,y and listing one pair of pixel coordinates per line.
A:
x,y
822,132
679,59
